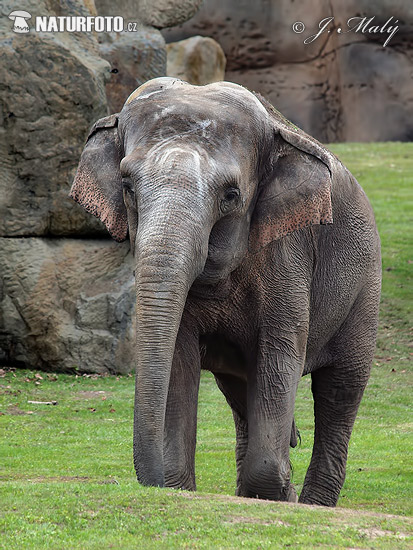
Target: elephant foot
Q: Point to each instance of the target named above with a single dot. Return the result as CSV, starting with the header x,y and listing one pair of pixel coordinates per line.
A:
x,y
180,480
284,495
314,499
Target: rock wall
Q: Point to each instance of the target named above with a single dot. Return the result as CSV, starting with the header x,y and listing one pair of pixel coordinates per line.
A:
x,y
341,87
66,304
66,298
52,90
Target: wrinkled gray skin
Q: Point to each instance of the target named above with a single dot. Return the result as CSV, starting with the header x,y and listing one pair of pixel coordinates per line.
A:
x,y
240,271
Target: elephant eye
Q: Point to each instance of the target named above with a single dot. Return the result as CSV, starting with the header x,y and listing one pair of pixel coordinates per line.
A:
x,y
231,194
127,186
230,199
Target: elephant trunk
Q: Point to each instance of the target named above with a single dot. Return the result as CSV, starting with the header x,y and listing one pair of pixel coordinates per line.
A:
x,y
167,263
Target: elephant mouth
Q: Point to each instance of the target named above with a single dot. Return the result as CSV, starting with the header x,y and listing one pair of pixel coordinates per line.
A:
x,y
212,275
208,278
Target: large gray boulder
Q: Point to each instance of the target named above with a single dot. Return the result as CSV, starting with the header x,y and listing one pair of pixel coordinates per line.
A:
x,y
198,60
52,90
341,87
67,305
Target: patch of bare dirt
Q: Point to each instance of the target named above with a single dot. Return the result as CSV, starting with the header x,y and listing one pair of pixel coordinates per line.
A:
x,y
65,479
242,519
340,513
61,479
15,410
374,533
91,394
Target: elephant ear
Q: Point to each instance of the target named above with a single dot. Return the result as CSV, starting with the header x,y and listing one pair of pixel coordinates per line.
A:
x,y
295,191
98,182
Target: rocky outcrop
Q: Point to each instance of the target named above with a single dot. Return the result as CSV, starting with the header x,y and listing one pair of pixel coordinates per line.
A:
x,y
153,13
52,90
198,60
343,86
66,305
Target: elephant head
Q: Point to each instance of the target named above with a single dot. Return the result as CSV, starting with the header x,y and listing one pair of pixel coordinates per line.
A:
x,y
200,178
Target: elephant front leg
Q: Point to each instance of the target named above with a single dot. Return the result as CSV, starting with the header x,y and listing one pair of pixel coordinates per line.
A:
x,y
265,470
241,431
181,413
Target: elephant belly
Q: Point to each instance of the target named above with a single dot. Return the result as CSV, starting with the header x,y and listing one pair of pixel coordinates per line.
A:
x,y
221,356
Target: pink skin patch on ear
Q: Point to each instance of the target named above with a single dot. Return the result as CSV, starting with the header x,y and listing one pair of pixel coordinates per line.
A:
x,y
314,210
86,192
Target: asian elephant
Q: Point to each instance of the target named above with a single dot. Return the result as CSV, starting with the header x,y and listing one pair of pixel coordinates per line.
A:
x,y
257,258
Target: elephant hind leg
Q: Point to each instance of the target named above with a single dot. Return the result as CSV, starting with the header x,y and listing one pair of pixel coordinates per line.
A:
x,y
337,391
335,409
235,392
295,435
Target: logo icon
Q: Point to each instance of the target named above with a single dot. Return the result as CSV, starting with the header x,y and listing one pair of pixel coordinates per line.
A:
x,y
298,27
20,23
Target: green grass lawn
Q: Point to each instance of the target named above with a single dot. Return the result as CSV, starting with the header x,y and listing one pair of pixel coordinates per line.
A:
x,y
66,472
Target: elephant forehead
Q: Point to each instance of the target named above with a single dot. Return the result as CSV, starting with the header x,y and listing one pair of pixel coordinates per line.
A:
x,y
187,159
184,162
163,123
168,129
181,164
